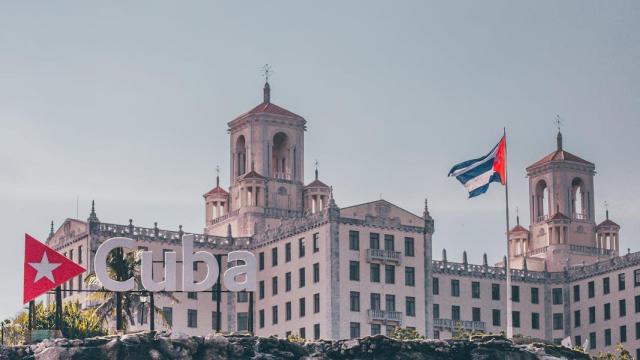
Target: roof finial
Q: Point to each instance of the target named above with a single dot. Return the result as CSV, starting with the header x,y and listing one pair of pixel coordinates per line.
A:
x,y
316,164
217,175
51,232
606,206
559,137
93,207
267,72
517,216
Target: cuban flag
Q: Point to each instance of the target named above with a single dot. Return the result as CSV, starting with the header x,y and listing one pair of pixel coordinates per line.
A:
x,y
477,174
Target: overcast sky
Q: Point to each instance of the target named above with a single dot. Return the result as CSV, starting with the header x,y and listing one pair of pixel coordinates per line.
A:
x,y
127,103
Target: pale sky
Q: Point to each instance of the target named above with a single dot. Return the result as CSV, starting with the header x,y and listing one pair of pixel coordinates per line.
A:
x,y
127,103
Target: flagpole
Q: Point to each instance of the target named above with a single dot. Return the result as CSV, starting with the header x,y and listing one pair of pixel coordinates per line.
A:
x,y
507,266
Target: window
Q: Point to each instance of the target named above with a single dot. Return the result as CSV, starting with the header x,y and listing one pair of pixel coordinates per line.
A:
x,y
168,315
261,261
622,307
316,331
274,314
455,312
316,303
374,270
535,296
354,330
556,295
578,340
316,242
638,331
302,303
410,304
192,295
303,333
389,242
192,318
354,301
410,276
558,321
215,292
591,288
607,337
354,270
455,287
316,272
475,314
576,318
261,318
242,321
242,297
495,291
515,319
515,293
354,240
287,281
390,302
301,247
287,252
374,241
389,274
621,284
495,315
261,289
436,311
475,290
436,286
80,254
592,340
623,333
636,277
375,301
592,315
576,293
607,311
287,311
535,320
274,256
303,275
409,247
605,286
376,329
274,285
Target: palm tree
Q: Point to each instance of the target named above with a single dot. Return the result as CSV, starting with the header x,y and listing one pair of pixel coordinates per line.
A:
x,y
120,267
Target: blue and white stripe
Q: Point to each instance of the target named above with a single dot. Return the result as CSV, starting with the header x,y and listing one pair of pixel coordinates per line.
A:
x,y
477,174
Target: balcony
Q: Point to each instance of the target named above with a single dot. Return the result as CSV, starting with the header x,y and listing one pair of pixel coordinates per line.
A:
x,y
456,325
384,255
385,316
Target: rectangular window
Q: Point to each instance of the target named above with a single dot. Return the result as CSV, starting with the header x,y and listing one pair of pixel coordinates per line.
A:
x,y
607,311
261,318
495,291
558,321
261,289
375,301
475,290
354,240
192,295
242,297
592,315
354,301
410,305
591,289
556,295
316,242
515,319
287,252
455,287
592,340
374,241
607,337
455,312
436,311
316,331
287,281
622,307
623,334
621,283
301,247
261,261
215,292
242,321
389,242
274,256
80,254
274,285
638,331
578,340
515,293
354,270
274,314
605,286
409,247
168,315
316,303
287,311
374,270
410,276
576,318
390,302
436,286
495,315
302,302
316,272
192,318
535,296
302,277
303,333
376,329
475,314
535,320
636,277
389,274
354,330
576,293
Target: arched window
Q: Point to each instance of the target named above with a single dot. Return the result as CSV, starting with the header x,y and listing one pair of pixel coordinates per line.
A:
x,y
541,198
241,156
280,153
578,199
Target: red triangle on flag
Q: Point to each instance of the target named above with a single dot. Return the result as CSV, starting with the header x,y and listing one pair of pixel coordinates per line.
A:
x,y
45,268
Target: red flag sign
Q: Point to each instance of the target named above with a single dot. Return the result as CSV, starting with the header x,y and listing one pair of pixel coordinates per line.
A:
x,y
44,268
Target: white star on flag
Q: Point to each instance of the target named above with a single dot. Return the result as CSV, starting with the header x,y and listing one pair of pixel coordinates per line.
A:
x,y
44,268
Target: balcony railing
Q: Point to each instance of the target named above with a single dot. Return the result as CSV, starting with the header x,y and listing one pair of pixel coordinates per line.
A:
x,y
384,255
590,250
281,175
383,315
542,218
453,325
579,216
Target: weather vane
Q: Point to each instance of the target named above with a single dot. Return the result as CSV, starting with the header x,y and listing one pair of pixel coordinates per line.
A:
x,y
217,170
267,72
558,122
316,164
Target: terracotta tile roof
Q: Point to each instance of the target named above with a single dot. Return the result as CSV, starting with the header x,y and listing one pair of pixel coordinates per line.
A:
x,y
559,216
519,228
560,155
252,175
268,108
216,190
317,183
607,222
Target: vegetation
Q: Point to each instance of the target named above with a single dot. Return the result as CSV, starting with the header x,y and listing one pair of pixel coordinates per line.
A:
x,y
295,338
405,334
620,353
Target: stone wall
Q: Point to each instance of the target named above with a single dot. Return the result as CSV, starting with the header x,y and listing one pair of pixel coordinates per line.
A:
x,y
164,346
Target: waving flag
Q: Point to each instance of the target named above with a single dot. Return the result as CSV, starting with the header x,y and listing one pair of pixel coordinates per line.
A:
x,y
477,174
